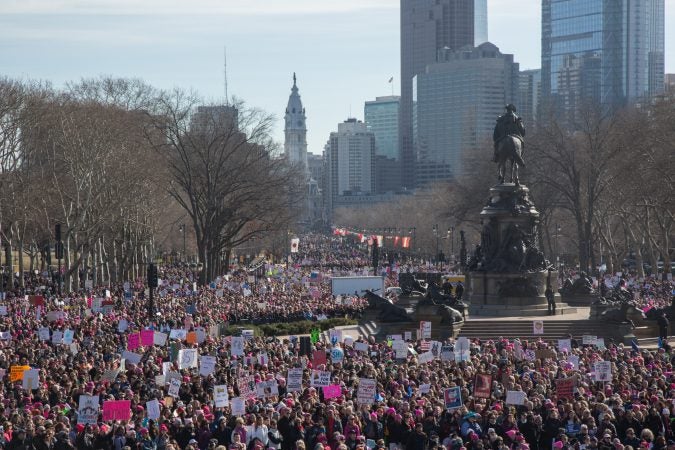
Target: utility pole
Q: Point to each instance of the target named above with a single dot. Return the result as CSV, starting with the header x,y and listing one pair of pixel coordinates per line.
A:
x,y
58,246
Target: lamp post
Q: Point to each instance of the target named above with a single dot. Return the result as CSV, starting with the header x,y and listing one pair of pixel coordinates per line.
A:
x,y
437,237
557,257
183,230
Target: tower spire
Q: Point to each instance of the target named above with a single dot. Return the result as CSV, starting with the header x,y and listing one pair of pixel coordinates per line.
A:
x,y
294,80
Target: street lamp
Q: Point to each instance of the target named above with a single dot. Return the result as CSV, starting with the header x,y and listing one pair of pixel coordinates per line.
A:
x,y
437,237
557,256
183,230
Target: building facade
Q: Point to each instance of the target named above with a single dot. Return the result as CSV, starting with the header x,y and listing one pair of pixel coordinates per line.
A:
x,y
601,52
295,129
529,94
455,104
427,28
349,161
382,119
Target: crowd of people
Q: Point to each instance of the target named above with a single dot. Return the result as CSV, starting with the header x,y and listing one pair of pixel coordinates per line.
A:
x,y
60,354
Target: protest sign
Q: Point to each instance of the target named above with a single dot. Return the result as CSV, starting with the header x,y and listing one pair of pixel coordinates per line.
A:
x,y
238,406
57,337
318,358
603,371
294,380
588,339
147,338
153,409
482,386
337,355
360,346
44,334
117,410
565,388
133,341
453,397
110,375
515,397
400,349
122,325
16,373
538,327
320,378
332,391
565,345
207,365
237,346
187,358
366,392
159,338
87,410
425,388
131,357
174,388
221,396
425,330
178,334
574,360
425,358
267,388
31,379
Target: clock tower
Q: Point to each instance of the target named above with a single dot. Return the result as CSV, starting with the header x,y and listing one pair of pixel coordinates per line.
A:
x,y
295,130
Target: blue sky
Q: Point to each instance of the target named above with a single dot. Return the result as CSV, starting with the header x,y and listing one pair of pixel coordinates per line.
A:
x,y
343,51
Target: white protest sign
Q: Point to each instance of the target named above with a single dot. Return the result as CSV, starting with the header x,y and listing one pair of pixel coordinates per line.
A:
x,y
159,338
366,392
87,410
538,327
221,396
425,358
174,387
237,346
43,333
565,345
187,358
238,406
425,330
207,365
360,346
57,337
320,378
400,348
603,371
294,380
131,357
515,397
153,409
178,334
31,379
267,388
122,325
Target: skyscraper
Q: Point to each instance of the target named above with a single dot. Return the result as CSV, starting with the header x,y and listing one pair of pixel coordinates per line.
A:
x,y
381,117
455,104
529,92
295,129
607,52
427,28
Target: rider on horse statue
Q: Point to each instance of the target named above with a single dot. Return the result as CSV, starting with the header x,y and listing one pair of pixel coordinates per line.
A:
x,y
508,124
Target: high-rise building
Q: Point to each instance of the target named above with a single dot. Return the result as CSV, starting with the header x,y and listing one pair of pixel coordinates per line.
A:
x,y
381,117
349,159
455,104
295,129
606,52
670,83
529,92
427,28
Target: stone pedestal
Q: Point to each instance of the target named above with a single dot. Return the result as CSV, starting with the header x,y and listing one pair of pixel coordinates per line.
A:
x,y
509,274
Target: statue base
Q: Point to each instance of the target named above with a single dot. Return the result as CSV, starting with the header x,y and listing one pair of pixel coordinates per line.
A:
x,y
512,294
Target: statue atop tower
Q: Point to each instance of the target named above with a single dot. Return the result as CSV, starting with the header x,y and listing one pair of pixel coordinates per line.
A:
x,y
295,129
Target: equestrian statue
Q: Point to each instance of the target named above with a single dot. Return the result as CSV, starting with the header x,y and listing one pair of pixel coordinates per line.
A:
x,y
509,143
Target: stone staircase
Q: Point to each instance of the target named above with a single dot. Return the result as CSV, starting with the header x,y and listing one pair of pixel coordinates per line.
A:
x,y
553,329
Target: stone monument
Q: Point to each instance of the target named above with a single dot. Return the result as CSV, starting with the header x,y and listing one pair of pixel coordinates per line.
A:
x,y
508,273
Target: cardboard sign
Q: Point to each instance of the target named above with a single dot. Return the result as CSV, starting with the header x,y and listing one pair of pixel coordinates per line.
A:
x,y
187,358
87,410
207,365
131,357
221,396
482,386
267,388
16,373
294,380
565,388
153,409
453,397
237,346
332,391
366,392
31,379
147,338
603,371
320,378
159,338
117,410
538,327
515,397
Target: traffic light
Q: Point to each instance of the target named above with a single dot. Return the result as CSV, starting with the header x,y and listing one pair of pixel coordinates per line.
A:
x,y
152,276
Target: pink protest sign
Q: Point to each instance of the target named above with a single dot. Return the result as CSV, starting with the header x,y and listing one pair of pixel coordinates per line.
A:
x,y
133,341
332,391
117,410
147,338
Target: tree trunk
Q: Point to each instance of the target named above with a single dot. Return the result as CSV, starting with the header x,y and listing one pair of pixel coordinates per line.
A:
x,y
22,282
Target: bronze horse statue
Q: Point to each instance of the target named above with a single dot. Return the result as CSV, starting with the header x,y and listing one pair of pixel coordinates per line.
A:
x,y
510,148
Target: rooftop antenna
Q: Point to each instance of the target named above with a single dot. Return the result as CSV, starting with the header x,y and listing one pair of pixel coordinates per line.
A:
x,y
227,101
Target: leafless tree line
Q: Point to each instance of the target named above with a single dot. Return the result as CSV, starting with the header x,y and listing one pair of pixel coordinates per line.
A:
x,y
116,161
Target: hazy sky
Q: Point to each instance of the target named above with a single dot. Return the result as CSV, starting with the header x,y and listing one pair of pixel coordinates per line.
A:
x,y
343,51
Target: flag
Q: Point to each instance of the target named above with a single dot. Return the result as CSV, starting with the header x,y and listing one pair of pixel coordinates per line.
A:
x,y
295,243
634,345
405,242
391,79
397,239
